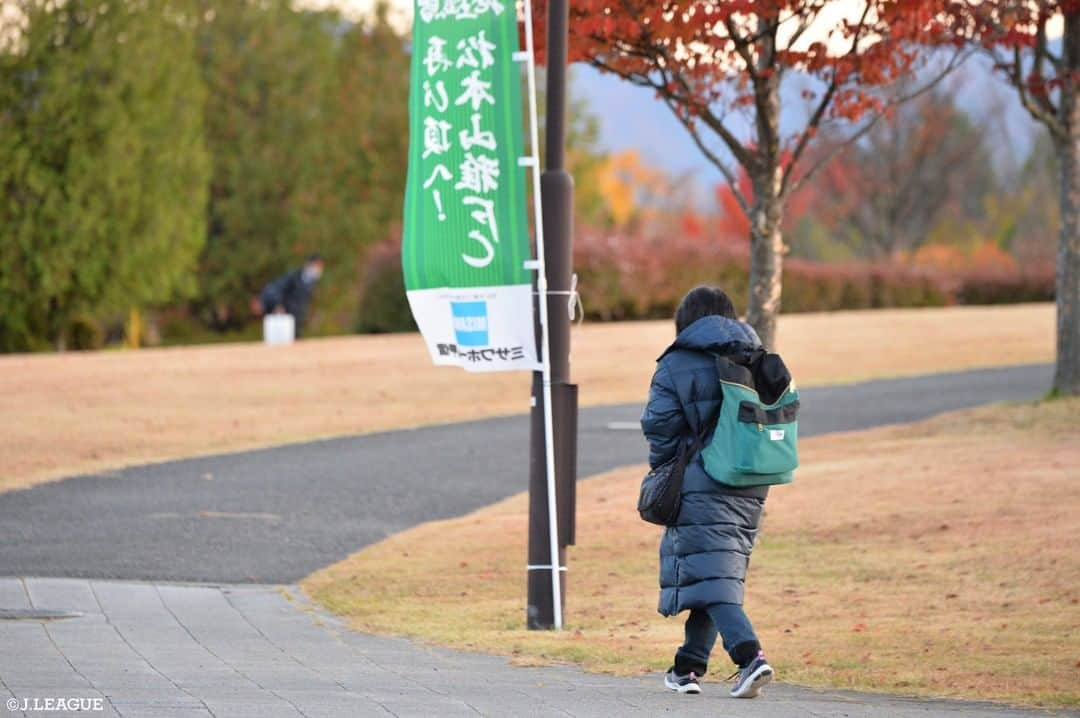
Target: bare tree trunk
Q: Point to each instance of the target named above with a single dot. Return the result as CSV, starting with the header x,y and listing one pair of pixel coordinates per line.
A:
x,y
766,260
1067,374
766,242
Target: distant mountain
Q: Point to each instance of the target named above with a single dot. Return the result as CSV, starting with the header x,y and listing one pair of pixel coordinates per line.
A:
x,y
633,118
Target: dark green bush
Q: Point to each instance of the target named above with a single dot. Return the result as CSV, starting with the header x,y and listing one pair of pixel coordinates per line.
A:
x,y
84,332
383,305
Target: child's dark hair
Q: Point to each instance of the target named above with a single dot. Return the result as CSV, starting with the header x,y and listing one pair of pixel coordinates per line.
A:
x,y
703,302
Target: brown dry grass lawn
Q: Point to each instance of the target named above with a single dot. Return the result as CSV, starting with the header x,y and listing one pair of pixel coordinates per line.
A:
x,y
933,559
72,413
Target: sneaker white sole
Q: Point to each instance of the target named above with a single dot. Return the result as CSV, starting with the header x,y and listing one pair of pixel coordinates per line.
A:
x,y
689,688
753,685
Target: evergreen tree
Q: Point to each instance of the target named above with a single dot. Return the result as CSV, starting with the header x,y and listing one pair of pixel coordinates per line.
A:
x,y
308,125
268,70
103,172
369,148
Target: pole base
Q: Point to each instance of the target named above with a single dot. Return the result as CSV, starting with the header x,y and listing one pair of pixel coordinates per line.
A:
x,y
540,613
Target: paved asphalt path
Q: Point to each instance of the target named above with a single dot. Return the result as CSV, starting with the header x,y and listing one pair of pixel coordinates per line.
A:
x,y
273,516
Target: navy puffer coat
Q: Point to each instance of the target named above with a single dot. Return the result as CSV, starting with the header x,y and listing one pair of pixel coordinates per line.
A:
x,y
704,556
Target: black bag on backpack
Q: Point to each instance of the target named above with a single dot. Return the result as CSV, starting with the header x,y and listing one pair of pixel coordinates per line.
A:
x,y
661,489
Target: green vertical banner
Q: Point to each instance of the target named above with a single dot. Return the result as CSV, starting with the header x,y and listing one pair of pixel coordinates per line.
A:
x,y
466,235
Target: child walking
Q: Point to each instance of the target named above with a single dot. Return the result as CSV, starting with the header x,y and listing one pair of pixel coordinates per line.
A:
x,y
705,554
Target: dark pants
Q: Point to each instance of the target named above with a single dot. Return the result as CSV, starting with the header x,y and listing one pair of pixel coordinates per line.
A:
x,y
727,619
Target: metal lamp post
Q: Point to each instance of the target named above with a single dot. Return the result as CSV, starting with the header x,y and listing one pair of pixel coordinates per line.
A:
x,y
557,197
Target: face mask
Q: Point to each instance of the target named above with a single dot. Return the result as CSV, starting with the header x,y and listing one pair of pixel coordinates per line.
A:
x,y
311,274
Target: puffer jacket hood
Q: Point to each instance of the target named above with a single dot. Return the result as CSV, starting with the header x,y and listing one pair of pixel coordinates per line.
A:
x,y
715,334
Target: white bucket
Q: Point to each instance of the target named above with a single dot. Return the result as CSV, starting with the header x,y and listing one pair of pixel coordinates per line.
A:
x,y
279,329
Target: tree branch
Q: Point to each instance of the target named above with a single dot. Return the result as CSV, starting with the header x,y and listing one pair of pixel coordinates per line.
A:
x,y
732,180
807,15
956,60
742,156
714,123
652,52
766,83
819,112
810,131
1042,47
1041,109
672,102
741,47
1040,54
763,31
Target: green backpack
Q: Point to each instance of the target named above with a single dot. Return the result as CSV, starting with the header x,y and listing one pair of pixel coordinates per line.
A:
x,y
755,443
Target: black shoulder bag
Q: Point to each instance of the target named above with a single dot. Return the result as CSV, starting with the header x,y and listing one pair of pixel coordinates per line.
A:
x,y
661,489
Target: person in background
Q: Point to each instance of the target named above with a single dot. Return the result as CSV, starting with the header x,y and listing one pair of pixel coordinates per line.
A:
x,y
291,292
704,556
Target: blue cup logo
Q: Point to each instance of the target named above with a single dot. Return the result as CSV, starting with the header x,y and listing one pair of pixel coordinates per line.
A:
x,y
470,323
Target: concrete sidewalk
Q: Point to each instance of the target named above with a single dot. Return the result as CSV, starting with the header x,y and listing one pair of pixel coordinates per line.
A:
x,y
232,651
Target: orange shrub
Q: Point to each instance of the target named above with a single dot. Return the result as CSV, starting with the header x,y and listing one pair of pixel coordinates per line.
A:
x,y
632,277
624,276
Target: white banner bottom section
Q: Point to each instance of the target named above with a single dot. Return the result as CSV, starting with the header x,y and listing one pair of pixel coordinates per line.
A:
x,y
478,328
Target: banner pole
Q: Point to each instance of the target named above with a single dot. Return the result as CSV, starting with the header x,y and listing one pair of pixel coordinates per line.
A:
x,y
553,565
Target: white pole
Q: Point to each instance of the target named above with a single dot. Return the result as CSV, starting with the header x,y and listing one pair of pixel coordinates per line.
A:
x,y
542,288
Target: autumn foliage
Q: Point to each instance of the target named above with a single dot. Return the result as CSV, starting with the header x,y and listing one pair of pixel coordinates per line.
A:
x,y
628,274
719,67
703,57
640,277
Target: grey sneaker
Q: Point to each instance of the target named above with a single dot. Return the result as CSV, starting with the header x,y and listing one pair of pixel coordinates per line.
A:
x,y
682,684
751,678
